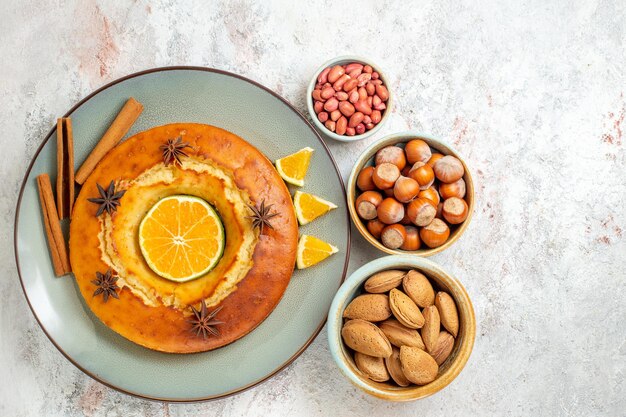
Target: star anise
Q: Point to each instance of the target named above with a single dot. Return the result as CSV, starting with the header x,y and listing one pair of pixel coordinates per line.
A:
x,y
109,199
173,150
203,322
106,285
261,216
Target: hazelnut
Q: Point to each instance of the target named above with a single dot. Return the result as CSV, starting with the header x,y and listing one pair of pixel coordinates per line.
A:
x,y
455,210
385,175
431,195
421,211
412,240
435,234
375,227
390,211
448,169
405,189
423,174
434,158
364,179
454,189
417,151
393,236
367,203
392,155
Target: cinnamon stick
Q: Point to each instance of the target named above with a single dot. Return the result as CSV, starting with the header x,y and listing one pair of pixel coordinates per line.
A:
x,y
65,168
54,235
120,126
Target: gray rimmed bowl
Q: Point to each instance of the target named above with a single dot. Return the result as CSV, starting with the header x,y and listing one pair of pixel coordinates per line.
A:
x,y
441,280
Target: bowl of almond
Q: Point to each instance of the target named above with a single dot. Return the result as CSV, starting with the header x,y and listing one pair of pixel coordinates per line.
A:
x,y
410,193
401,328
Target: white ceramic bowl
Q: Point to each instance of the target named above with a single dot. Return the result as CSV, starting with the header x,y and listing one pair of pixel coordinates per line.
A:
x,y
346,59
441,280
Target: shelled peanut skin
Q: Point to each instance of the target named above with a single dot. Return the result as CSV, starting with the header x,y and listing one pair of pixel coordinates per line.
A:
x,y
400,336
412,196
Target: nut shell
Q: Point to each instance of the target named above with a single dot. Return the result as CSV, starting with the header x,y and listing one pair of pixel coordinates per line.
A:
x,y
384,281
435,234
364,180
405,310
418,366
395,368
418,288
455,210
363,336
400,335
372,367
390,211
367,203
430,330
412,241
370,307
420,211
455,189
375,227
391,154
447,312
445,344
393,236
448,169
417,151
385,175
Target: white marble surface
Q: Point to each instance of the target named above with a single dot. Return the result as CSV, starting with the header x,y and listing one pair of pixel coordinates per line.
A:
x,y
531,92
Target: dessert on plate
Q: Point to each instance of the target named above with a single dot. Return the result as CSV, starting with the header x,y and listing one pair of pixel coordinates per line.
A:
x,y
183,238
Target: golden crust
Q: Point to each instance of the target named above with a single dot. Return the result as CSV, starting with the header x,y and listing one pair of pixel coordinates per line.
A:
x,y
166,328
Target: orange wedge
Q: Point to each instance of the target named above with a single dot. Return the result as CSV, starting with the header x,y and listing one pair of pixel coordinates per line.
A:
x,y
312,250
309,207
293,168
181,238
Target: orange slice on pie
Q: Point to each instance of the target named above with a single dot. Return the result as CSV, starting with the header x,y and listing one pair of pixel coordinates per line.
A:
x,y
181,238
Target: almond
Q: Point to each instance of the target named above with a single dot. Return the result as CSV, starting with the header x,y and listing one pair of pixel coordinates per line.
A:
x,y
418,366
405,310
370,307
419,288
371,367
395,368
447,310
430,330
362,336
400,335
445,343
384,281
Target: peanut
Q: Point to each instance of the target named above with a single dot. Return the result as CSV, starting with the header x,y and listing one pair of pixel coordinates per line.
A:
x,y
323,77
356,119
335,72
331,104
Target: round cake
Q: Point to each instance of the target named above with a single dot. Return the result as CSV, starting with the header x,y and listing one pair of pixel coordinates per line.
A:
x,y
183,238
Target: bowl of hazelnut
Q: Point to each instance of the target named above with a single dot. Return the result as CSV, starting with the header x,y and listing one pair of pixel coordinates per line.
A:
x,y
401,328
348,98
410,193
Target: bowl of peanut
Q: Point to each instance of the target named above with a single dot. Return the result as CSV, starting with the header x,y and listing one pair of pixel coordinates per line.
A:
x,y
348,98
401,328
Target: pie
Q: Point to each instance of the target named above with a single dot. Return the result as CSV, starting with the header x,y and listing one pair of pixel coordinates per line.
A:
x,y
188,220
